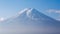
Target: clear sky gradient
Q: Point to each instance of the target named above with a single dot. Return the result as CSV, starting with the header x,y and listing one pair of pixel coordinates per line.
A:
x,y
9,8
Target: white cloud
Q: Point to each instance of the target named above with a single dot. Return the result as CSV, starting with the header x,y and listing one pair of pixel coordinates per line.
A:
x,y
2,19
53,11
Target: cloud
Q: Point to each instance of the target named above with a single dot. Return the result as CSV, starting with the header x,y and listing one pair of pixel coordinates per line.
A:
x,y
53,11
2,19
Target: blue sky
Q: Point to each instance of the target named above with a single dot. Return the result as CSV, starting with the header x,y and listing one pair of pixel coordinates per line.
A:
x,y
9,8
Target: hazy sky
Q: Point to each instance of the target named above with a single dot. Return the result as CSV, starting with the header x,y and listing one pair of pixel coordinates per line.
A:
x,y
9,8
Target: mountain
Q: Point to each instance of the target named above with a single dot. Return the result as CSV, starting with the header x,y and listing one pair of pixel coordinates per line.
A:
x,y
31,20
33,16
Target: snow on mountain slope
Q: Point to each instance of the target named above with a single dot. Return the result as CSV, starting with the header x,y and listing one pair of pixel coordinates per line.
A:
x,y
30,20
33,17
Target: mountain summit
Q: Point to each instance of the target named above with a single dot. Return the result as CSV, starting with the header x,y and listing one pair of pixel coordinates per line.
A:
x,y
31,21
31,15
34,14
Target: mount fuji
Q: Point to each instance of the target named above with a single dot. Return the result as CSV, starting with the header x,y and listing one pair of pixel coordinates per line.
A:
x,y
30,21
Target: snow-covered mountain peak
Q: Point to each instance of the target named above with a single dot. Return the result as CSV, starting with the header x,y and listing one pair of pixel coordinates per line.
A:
x,y
32,21
31,13
24,10
34,14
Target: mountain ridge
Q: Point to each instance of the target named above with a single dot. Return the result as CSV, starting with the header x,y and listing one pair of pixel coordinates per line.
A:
x,y
30,21
32,15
